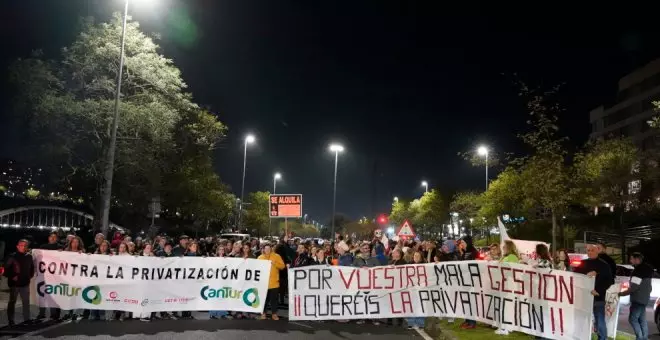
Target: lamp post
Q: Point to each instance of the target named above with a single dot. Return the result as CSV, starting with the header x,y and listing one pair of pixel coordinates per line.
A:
x,y
336,148
249,139
425,184
108,172
483,151
396,199
270,219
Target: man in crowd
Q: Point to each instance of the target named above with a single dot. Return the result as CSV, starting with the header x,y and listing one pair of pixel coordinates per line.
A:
x,y
98,239
52,244
598,268
181,249
602,248
19,270
640,294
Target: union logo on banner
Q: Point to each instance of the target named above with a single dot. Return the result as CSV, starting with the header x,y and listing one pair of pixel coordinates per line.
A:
x,y
406,230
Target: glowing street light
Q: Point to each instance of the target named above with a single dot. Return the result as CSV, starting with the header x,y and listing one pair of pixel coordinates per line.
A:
x,y
249,139
425,184
483,151
336,148
396,199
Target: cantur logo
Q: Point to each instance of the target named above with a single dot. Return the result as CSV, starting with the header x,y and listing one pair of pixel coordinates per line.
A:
x,y
250,297
90,294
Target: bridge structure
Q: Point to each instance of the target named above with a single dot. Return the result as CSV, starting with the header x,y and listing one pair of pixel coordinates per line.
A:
x,y
46,217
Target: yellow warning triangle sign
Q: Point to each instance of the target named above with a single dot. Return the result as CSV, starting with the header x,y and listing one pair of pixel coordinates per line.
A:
x,y
406,230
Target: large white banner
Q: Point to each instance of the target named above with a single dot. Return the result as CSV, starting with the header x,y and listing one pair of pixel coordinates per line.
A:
x,y
150,284
549,303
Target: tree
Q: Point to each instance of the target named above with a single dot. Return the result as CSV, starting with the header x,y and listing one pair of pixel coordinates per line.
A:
x,y
504,196
256,212
467,204
68,104
545,178
400,212
429,212
606,171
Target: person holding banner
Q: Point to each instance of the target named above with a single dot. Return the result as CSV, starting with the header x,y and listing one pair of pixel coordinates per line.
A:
x,y
19,269
277,264
640,294
418,258
52,244
75,245
466,252
598,268
511,255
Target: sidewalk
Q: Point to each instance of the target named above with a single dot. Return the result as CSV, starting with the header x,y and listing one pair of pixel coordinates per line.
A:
x,y
18,314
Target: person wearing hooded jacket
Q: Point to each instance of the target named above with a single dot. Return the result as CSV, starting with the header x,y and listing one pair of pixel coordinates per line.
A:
x,y
640,294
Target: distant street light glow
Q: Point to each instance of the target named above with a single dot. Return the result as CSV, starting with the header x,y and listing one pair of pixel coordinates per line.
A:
x,y
336,148
249,139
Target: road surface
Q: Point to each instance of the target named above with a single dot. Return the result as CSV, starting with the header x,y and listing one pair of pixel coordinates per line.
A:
x,y
202,328
624,326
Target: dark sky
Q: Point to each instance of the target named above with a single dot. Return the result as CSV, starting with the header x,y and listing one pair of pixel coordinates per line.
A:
x,y
404,85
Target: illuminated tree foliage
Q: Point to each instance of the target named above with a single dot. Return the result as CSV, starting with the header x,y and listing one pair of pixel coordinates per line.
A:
x,y
164,139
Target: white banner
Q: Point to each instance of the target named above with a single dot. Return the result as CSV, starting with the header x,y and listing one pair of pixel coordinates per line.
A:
x,y
526,249
612,309
548,303
150,284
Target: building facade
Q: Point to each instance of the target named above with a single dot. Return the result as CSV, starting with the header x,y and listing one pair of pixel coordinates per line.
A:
x,y
629,114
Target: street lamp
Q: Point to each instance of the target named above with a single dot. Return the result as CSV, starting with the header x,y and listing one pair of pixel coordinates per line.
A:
x,y
483,151
396,199
276,177
425,184
336,148
249,139
108,172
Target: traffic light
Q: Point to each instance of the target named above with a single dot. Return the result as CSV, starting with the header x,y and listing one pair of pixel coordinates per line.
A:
x,y
382,219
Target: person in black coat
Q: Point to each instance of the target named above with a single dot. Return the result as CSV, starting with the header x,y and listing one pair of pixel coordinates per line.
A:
x,y
19,270
610,261
53,244
598,268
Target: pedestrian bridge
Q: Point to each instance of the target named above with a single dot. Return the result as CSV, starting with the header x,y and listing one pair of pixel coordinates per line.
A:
x,y
46,217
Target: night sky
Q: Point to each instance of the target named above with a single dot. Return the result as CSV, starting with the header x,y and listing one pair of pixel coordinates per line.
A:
x,y
404,85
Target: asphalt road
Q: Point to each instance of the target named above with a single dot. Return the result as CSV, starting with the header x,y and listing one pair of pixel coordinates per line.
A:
x,y
624,326
202,328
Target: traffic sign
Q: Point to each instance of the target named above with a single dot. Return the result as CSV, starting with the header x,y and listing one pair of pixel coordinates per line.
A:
x,y
286,206
406,230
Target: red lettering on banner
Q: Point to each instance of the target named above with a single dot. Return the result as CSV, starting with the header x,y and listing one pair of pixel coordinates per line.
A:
x,y
360,286
389,278
561,321
552,319
490,276
502,269
545,291
375,278
347,284
520,282
566,289
421,271
406,303
531,281
410,273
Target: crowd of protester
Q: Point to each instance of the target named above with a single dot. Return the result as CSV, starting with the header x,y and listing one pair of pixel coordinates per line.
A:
x,y
344,252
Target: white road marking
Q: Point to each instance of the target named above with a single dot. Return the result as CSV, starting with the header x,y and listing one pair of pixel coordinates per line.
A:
x,y
39,331
423,333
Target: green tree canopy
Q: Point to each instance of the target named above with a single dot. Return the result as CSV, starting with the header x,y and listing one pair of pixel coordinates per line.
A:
x,y
68,103
256,212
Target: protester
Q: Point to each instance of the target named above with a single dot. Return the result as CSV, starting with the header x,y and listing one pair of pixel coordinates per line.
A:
x,y
640,294
543,259
418,322
75,244
397,260
494,253
98,239
52,244
321,257
562,262
277,264
182,247
510,255
19,270
302,258
597,267
345,258
602,254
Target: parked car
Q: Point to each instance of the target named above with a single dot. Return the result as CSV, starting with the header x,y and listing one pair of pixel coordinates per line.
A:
x,y
575,259
623,272
236,237
656,313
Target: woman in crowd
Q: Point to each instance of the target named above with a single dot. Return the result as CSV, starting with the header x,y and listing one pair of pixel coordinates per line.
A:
x,y
494,254
562,262
397,260
277,264
75,245
131,248
122,250
147,251
321,258
220,314
236,250
103,249
465,252
543,259
418,258
302,259
510,255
